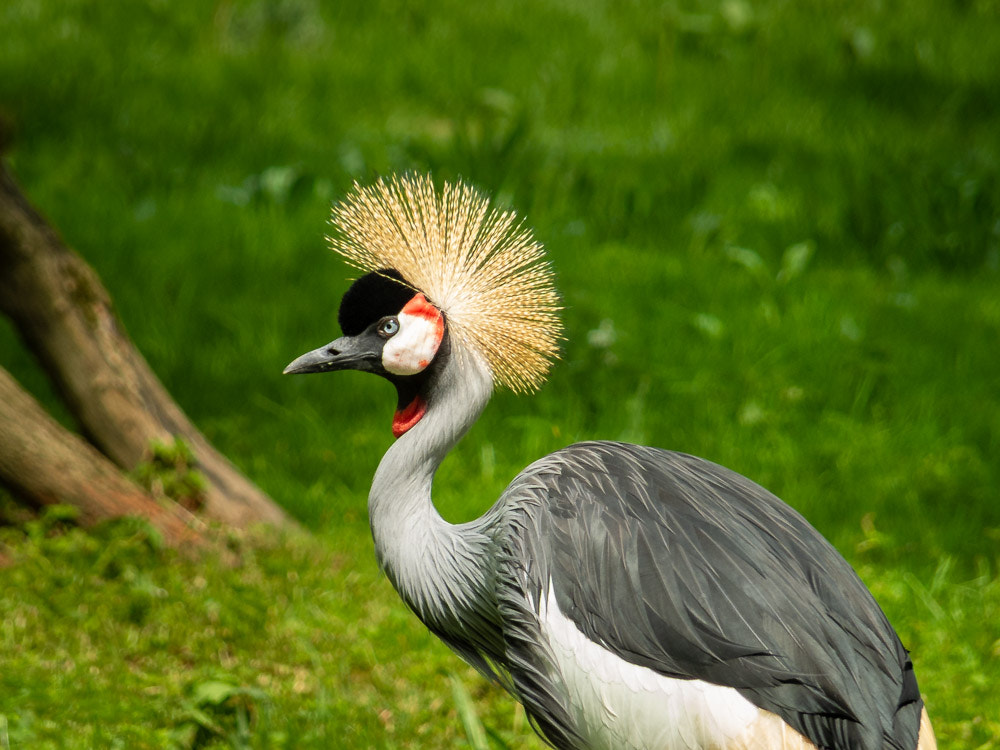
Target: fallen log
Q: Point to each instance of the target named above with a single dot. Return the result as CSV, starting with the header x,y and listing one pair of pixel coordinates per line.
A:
x,y
65,316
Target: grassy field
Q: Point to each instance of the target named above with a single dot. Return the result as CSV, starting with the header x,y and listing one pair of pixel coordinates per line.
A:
x,y
776,228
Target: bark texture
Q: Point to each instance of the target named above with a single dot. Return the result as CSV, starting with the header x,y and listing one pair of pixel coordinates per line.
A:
x,y
65,317
47,464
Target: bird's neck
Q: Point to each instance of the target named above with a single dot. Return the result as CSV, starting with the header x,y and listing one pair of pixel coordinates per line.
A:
x,y
436,567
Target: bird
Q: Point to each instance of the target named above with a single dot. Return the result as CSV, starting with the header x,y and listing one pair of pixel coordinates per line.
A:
x,y
628,596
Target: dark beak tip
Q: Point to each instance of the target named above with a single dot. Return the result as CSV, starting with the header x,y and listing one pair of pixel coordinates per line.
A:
x,y
311,362
325,359
303,368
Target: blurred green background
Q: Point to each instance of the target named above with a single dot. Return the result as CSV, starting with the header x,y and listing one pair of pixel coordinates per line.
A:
x,y
776,228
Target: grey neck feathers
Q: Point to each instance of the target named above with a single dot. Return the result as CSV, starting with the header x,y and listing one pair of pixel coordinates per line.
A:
x,y
439,569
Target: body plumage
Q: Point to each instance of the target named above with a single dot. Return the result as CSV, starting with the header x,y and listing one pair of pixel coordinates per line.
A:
x,y
630,597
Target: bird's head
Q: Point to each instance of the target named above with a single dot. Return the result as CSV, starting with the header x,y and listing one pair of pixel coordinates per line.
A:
x,y
443,270
390,329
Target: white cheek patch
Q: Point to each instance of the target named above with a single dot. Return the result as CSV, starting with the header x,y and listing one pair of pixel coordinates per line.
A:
x,y
421,328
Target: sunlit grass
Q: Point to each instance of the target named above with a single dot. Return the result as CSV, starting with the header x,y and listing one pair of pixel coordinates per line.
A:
x,y
111,641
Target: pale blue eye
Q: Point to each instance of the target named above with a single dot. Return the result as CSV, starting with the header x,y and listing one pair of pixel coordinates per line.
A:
x,y
388,327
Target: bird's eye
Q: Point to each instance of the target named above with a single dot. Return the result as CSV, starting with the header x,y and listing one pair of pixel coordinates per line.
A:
x,y
388,328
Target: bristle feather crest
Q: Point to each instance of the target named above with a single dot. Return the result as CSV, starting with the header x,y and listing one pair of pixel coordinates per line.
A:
x,y
479,264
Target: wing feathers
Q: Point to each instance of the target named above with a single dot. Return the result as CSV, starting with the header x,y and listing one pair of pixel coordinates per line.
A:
x,y
679,565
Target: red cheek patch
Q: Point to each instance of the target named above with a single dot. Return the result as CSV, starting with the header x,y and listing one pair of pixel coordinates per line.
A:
x,y
419,307
420,334
405,418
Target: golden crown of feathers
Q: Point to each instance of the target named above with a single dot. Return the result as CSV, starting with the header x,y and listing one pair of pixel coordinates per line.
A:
x,y
478,264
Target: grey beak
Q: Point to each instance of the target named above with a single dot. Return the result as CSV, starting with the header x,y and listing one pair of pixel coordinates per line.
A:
x,y
346,353
318,360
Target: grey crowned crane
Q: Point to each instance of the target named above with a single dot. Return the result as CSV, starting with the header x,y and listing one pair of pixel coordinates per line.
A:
x,y
629,597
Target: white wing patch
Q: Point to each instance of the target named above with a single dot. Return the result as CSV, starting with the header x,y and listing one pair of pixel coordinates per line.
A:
x,y
622,705
421,328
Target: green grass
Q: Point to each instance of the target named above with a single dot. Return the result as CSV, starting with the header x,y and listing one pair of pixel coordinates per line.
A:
x,y
111,641
782,220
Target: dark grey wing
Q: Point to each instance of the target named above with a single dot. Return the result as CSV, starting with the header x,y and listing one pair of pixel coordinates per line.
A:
x,y
685,567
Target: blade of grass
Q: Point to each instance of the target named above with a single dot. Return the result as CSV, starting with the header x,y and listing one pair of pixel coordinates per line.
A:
x,y
467,712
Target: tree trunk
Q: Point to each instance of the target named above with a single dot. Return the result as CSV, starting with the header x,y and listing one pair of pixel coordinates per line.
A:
x,y
46,463
65,316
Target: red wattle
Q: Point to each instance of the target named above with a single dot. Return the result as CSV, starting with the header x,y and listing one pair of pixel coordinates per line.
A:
x,y
405,418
